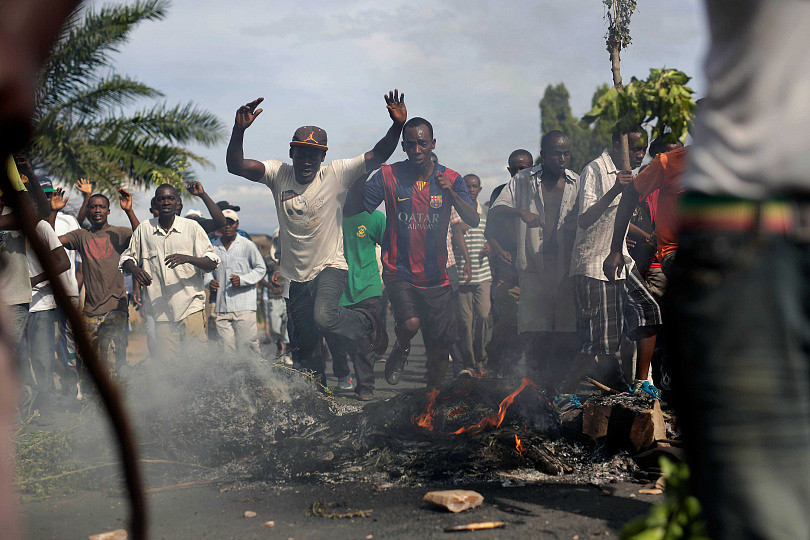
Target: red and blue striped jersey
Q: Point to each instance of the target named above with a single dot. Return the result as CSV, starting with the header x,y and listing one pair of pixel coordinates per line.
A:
x,y
417,217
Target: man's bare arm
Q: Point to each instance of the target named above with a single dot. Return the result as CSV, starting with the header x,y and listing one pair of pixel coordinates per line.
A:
x,y
60,262
235,155
196,189
614,262
592,214
395,103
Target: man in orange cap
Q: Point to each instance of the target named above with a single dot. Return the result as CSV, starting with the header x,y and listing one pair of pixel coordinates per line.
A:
x,y
309,201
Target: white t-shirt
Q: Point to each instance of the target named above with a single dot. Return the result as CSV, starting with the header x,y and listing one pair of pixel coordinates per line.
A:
x,y
41,293
310,216
64,224
750,137
15,283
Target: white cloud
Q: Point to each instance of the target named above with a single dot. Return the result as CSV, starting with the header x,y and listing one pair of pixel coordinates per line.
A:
x,y
476,70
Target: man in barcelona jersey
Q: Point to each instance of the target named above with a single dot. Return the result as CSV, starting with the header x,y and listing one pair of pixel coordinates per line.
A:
x,y
418,198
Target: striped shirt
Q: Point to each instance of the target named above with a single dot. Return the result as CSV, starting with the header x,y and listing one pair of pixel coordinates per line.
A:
x,y
243,259
454,218
475,240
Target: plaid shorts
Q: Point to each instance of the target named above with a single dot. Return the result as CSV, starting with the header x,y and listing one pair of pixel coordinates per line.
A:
x,y
607,310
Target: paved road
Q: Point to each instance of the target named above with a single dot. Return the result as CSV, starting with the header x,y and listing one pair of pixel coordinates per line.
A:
x,y
541,510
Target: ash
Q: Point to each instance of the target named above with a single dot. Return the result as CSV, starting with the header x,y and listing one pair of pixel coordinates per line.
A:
x,y
253,421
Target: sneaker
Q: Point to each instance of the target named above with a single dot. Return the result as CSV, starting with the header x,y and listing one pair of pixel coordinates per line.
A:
x,y
563,403
396,362
345,383
364,393
645,389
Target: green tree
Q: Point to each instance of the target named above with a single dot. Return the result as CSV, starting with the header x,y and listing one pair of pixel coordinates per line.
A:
x,y
555,113
86,124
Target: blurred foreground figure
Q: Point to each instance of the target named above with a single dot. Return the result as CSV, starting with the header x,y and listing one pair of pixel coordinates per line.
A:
x,y
27,30
738,303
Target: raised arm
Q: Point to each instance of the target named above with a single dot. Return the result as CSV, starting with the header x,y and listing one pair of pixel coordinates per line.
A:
x,y
235,155
86,189
125,200
395,103
196,189
592,214
58,202
35,190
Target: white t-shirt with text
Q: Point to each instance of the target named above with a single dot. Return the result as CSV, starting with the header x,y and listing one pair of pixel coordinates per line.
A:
x,y
310,216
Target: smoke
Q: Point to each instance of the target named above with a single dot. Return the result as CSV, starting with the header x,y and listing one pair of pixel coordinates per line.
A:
x,y
212,417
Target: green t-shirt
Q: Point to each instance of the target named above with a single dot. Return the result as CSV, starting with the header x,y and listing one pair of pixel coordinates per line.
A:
x,y
361,233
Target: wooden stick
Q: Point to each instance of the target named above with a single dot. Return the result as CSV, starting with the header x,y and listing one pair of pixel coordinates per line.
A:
x,y
601,386
94,467
181,485
481,526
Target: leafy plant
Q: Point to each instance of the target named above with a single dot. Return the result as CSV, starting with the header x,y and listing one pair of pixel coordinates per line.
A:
x,y
663,99
678,516
85,125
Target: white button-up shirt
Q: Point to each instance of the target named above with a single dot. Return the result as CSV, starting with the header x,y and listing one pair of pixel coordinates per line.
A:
x,y
524,192
175,293
592,245
243,259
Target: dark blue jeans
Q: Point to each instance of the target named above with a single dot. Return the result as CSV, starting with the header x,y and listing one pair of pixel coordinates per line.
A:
x,y
737,312
361,354
314,310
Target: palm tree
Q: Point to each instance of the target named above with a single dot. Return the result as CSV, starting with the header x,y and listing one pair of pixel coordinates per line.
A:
x,y
85,125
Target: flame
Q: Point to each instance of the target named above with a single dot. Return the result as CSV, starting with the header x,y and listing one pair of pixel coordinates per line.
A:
x,y
519,446
495,419
425,419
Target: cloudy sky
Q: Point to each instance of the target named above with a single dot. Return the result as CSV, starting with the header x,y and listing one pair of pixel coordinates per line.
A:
x,y
476,70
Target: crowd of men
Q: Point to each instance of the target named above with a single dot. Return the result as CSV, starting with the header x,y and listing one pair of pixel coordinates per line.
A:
x,y
541,271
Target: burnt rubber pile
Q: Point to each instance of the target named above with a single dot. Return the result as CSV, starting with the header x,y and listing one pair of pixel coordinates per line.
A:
x,y
252,421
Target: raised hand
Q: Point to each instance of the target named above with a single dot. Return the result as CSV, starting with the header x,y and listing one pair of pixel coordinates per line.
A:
x,y
623,178
124,199
196,189
395,103
84,186
247,113
58,199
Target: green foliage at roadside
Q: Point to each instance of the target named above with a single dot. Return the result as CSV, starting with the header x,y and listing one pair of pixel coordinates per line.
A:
x,y
677,517
663,100
86,123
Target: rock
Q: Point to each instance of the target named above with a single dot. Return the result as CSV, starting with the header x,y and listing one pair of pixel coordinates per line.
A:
x,y
269,524
120,534
250,514
650,491
455,500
